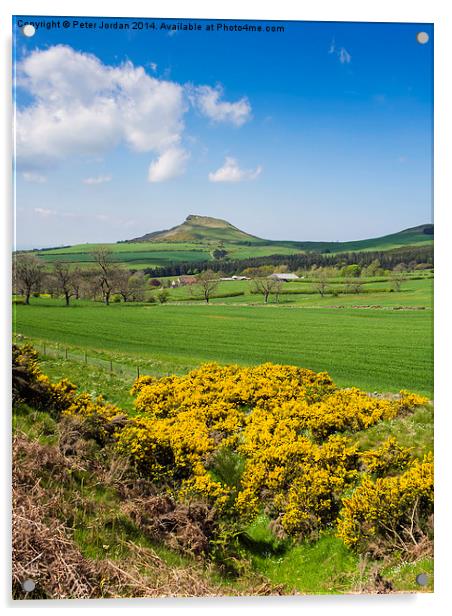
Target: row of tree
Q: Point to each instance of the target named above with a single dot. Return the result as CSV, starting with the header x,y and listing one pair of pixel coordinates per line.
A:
x,y
104,280
107,278
410,257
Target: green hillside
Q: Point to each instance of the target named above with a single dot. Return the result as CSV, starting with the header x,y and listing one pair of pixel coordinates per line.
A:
x,y
198,236
199,228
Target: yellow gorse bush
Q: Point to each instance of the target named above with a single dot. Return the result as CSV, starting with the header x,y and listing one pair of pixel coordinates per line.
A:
x,y
288,427
388,507
389,458
99,415
285,422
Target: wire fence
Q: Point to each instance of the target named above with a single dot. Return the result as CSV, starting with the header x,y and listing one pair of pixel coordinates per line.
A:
x,y
56,351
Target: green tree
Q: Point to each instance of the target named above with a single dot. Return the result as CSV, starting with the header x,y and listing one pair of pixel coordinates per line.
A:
x,y
351,271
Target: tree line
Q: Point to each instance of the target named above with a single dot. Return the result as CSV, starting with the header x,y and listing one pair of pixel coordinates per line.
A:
x,y
412,256
101,282
108,279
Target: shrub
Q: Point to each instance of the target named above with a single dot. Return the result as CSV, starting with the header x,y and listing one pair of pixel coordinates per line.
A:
x,y
243,438
163,296
387,459
35,388
101,419
272,438
391,512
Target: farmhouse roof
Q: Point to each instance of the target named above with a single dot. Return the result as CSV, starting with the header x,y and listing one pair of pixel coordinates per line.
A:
x,y
286,276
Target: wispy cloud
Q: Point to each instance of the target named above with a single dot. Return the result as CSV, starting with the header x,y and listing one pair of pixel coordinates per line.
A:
x,y
231,172
208,101
100,179
344,56
31,176
44,212
340,52
113,221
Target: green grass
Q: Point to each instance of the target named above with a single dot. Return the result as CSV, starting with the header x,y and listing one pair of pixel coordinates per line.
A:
x,y
154,253
414,430
91,378
384,350
38,425
414,292
321,567
403,575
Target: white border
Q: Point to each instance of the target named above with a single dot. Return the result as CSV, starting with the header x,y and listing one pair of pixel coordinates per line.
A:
x,y
431,11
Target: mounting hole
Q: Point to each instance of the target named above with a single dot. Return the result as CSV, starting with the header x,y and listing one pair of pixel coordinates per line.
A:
x,y
29,30
422,38
422,579
28,585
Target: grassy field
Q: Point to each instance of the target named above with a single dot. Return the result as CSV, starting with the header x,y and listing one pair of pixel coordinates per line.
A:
x,y
416,291
382,349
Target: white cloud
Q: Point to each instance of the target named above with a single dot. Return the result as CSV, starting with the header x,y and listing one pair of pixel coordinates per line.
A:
x,y
169,165
84,108
100,179
44,212
207,100
153,66
112,221
31,176
343,55
231,172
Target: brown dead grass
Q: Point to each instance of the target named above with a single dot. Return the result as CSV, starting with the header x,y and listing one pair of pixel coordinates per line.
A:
x,y
45,552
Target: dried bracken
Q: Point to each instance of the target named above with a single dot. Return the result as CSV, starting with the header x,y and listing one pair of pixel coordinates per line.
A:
x,y
44,550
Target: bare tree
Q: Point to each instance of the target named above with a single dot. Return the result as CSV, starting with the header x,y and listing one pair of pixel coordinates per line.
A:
x,y
266,286
321,283
64,279
130,287
28,274
77,282
107,273
123,284
137,286
354,285
208,281
397,278
87,284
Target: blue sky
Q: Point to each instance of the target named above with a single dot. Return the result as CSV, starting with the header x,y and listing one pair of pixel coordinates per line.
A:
x,y
323,132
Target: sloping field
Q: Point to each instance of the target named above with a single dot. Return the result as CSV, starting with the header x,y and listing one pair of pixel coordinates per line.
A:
x,y
384,350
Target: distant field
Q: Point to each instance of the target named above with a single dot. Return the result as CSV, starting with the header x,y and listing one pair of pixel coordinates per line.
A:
x,y
376,349
413,293
154,253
